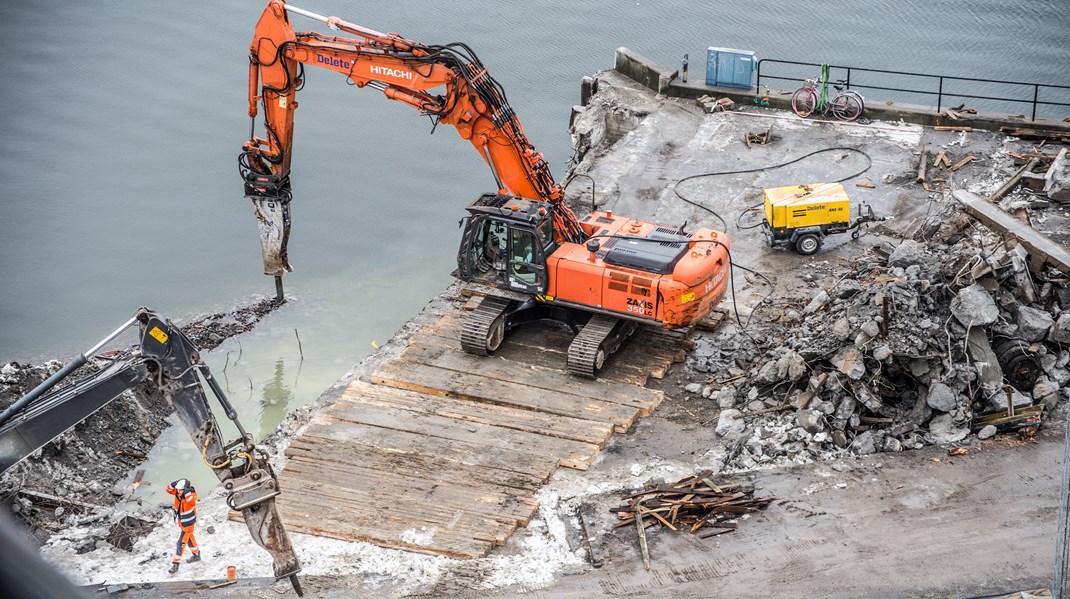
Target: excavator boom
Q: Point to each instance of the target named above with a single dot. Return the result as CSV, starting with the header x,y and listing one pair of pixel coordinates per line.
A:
x,y
403,70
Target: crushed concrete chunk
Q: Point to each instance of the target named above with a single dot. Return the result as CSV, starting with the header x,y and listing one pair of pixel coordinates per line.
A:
x,y
849,361
864,444
987,432
1060,332
973,306
943,429
906,254
1033,324
817,303
729,422
942,398
1057,179
811,421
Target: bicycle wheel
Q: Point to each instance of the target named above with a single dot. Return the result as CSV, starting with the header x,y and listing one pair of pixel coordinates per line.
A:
x,y
803,102
847,106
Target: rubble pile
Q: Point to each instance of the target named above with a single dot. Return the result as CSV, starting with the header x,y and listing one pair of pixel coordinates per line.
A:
x,y
910,347
71,479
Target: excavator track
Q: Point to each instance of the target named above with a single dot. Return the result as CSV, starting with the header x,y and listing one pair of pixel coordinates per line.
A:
x,y
599,339
484,327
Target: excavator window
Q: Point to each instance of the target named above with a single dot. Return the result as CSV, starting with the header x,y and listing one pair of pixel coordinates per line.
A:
x,y
507,254
487,253
526,262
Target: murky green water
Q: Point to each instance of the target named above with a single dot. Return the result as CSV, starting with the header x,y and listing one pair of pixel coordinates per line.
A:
x,y
122,122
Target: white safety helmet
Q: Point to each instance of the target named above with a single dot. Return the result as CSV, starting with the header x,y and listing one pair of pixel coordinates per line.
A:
x,y
180,484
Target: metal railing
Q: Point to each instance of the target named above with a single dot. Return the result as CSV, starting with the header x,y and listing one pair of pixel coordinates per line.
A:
x,y
941,93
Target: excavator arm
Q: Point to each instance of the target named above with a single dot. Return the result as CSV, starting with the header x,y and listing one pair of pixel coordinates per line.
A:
x,y
167,359
403,70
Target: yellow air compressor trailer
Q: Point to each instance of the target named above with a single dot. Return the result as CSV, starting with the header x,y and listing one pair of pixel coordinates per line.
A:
x,y
803,215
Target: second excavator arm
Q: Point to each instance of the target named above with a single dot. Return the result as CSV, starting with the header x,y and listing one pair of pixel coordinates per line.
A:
x,y
166,359
403,70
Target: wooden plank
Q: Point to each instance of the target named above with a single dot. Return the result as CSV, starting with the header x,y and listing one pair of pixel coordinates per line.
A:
x,y
960,163
346,514
431,496
643,400
1009,185
410,443
489,437
999,221
316,512
1035,134
448,383
361,460
576,429
941,160
417,499
429,503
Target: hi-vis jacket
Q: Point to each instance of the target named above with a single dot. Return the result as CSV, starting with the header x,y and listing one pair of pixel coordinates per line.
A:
x,y
185,507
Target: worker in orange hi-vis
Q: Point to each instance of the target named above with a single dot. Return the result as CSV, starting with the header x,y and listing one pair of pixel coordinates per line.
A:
x,y
185,512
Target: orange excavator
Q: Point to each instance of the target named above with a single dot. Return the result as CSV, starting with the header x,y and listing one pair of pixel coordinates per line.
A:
x,y
602,275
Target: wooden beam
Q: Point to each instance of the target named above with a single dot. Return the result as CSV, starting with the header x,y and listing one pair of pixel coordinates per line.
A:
x,y
1009,185
1042,248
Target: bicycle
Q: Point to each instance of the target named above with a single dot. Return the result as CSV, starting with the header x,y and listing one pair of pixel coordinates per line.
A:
x,y
846,105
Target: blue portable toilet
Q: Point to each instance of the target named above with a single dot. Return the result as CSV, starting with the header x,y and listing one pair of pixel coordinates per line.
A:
x,y
726,67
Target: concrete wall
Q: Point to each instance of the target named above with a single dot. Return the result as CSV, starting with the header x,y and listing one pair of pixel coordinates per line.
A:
x,y
643,70
667,81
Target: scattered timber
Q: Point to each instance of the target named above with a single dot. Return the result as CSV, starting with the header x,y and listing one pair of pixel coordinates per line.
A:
x,y
992,216
952,128
761,138
961,163
1038,134
693,503
1009,185
941,160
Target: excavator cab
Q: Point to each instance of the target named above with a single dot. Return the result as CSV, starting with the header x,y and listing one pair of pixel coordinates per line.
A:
x,y
505,244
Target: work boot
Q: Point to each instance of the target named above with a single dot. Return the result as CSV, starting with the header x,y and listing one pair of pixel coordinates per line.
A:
x,y
196,557
173,568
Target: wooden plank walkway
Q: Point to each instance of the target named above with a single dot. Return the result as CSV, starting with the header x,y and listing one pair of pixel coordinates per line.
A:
x,y
441,452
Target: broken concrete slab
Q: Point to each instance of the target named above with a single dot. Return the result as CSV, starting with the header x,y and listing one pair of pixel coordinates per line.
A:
x,y
973,306
942,398
1060,332
907,253
1033,323
1057,179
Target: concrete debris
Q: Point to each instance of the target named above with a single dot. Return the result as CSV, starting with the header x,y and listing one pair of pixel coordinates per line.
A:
x,y
1033,324
974,306
730,422
906,350
1060,333
942,398
710,104
907,253
1057,179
